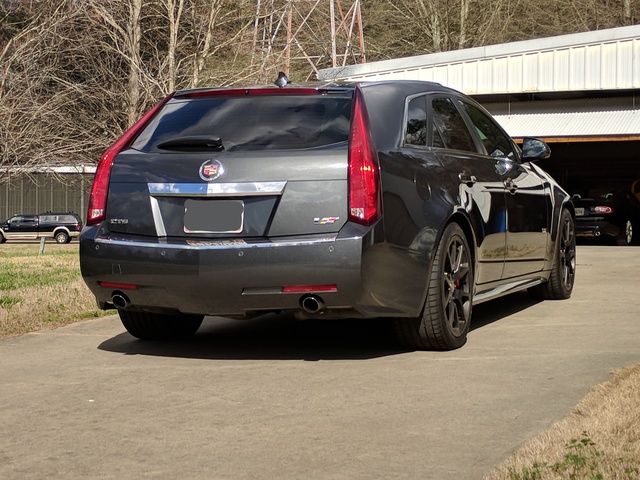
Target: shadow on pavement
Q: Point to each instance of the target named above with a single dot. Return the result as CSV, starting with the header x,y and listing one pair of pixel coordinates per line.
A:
x,y
489,312
281,337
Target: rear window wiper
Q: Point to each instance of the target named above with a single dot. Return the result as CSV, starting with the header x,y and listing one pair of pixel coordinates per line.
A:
x,y
192,143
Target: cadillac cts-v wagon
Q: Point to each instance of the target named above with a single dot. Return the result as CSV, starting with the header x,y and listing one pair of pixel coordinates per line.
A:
x,y
395,199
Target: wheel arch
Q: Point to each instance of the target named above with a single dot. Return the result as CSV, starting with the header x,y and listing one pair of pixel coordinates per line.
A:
x,y
465,224
61,229
561,201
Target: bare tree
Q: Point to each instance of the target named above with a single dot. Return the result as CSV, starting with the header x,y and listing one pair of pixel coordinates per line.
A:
x,y
47,105
220,36
121,20
75,73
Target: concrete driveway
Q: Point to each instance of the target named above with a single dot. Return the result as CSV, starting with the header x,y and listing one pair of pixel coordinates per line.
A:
x,y
277,399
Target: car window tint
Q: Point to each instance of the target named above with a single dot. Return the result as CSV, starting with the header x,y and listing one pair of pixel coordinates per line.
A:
x,y
449,129
266,122
496,143
416,129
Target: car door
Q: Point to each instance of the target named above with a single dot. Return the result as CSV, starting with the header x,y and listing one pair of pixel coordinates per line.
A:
x,y
481,188
527,198
22,226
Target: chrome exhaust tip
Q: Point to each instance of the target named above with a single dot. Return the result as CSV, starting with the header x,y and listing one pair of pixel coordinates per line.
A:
x,y
311,303
120,300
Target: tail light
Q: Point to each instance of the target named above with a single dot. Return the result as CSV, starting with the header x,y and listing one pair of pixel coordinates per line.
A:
x,y
603,210
100,187
364,173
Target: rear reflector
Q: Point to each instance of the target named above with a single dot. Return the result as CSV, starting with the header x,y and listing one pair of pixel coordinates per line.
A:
x,y
309,288
364,176
100,187
120,286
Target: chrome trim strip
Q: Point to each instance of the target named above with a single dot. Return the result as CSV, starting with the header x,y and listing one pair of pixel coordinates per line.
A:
x,y
214,244
157,217
216,189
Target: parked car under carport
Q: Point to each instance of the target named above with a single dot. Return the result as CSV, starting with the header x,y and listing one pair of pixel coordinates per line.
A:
x,y
608,208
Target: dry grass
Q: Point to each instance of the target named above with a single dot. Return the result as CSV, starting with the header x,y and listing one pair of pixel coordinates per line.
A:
x,y
599,440
41,291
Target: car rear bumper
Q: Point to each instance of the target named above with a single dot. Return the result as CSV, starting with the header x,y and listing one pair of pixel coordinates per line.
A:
x,y
239,278
586,228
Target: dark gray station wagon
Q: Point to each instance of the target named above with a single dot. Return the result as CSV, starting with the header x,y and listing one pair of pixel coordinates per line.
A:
x,y
396,199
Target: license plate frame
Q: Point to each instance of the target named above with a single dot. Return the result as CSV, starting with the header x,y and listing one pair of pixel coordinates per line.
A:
x,y
213,216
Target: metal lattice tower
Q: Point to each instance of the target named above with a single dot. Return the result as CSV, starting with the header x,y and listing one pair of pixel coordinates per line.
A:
x,y
319,33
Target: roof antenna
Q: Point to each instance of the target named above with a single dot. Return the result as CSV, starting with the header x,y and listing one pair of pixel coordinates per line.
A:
x,y
282,80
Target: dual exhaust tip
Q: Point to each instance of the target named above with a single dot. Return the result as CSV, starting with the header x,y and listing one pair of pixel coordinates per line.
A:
x,y
120,300
309,303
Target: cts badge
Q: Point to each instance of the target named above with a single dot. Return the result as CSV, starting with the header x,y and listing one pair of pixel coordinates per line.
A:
x,y
325,220
210,170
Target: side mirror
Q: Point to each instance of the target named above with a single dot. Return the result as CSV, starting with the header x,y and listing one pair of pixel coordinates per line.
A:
x,y
534,149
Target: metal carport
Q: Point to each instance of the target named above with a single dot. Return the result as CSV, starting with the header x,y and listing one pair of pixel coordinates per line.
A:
x,y
579,92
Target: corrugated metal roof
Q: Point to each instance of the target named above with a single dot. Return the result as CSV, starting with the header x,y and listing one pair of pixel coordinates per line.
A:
x,y
599,60
565,119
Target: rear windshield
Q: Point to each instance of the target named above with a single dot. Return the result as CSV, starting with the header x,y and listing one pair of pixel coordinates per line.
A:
x,y
263,122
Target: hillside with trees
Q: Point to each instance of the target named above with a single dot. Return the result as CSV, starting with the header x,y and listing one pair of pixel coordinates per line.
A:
x,y
75,73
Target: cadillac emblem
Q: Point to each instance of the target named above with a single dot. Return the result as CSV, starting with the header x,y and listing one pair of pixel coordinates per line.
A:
x,y
210,170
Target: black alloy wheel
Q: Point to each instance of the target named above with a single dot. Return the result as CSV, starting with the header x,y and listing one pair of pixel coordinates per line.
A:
x,y
446,318
567,252
563,272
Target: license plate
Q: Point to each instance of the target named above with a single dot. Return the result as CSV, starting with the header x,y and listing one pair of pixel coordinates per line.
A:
x,y
213,216
579,212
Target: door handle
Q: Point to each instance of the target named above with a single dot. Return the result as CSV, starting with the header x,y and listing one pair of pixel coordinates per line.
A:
x,y
468,180
510,185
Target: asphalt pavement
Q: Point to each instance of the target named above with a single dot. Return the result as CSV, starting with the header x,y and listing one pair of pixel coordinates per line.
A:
x,y
273,398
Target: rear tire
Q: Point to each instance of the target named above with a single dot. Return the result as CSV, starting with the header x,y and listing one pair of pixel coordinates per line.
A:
x,y
563,272
626,237
151,326
62,237
446,317
2,239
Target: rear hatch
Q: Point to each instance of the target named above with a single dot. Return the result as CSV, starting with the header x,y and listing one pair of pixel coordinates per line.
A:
x,y
219,164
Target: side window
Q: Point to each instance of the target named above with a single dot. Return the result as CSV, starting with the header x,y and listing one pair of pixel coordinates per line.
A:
x,y
416,128
449,129
498,145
